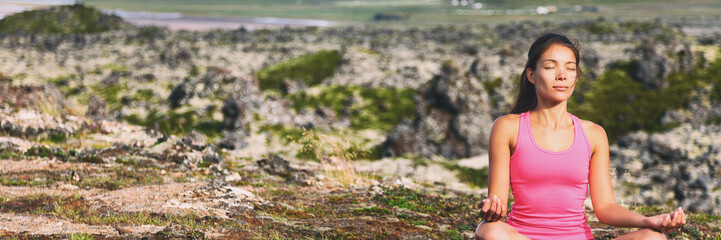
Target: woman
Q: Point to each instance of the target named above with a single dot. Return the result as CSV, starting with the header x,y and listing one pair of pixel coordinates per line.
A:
x,y
550,158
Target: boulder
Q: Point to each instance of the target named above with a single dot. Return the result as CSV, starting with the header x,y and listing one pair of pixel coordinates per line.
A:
x,y
680,166
452,119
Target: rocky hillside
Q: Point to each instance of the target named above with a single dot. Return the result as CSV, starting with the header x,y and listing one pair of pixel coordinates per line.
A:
x,y
345,132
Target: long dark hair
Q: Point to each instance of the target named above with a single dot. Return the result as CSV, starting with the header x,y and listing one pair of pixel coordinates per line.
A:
x,y
526,99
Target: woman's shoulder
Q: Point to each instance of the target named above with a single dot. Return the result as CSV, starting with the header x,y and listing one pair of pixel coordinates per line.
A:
x,y
507,122
508,119
593,131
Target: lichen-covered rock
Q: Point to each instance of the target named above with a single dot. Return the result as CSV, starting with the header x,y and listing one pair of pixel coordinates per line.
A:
x,y
452,119
27,123
679,166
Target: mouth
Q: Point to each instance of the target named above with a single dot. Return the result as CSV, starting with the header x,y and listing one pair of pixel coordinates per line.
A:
x,y
560,88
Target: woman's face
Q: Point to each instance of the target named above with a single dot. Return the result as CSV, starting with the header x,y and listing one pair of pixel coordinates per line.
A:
x,y
555,74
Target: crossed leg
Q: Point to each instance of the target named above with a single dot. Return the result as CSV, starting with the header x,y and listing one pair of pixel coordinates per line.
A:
x,y
644,234
501,230
497,230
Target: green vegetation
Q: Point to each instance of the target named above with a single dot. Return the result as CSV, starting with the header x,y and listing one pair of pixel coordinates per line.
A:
x,y
69,19
316,146
64,84
143,95
310,69
371,211
111,95
177,123
81,236
622,104
376,108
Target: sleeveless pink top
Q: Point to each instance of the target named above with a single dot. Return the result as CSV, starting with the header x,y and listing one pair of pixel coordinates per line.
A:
x,y
549,187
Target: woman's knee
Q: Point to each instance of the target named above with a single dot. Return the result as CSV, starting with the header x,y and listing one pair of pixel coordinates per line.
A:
x,y
492,231
650,234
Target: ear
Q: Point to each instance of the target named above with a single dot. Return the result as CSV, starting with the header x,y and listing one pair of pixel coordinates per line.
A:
x,y
529,76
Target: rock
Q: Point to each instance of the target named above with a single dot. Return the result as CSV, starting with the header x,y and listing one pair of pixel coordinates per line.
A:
x,y
233,114
452,119
180,95
235,176
278,166
15,144
139,230
275,165
178,232
96,108
27,123
678,165
233,140
195,139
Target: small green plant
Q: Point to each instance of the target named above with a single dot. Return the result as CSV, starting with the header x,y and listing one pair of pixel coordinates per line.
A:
x,y
81,236
372,211
58,138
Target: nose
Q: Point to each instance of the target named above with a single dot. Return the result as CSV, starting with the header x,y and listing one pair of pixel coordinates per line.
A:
x,y
560,76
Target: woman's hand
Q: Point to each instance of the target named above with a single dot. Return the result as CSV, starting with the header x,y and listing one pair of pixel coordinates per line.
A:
x,y
492,210
667,222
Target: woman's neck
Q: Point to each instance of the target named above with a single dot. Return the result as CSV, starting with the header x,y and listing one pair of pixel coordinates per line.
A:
x,y
553,116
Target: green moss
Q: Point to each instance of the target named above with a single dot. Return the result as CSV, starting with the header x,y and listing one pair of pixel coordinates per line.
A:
x,y
287,133
371,211
177,123
622,104
376,108
111,95
58,138
69,19
309,68
143,95
81,236
64,84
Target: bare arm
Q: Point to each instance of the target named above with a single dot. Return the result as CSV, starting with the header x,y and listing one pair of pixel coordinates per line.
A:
x,y
602,197
499,154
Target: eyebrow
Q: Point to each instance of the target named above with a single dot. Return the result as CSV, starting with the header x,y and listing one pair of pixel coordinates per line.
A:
x,y
557,61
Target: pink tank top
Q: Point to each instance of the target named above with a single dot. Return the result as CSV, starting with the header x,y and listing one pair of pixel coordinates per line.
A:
x,y
549,187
